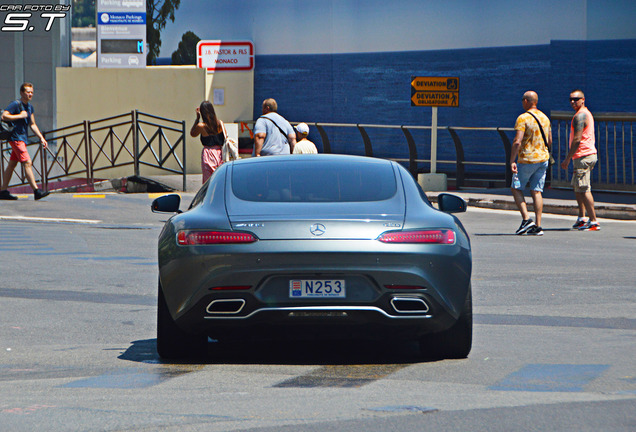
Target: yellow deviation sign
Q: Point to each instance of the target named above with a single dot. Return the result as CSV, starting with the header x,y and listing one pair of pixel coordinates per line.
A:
x,y
435,99
435,91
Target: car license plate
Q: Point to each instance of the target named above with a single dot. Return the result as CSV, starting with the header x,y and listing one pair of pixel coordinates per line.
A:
x,y
317,288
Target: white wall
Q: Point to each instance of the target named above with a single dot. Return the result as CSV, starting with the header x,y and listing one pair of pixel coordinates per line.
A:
x,y
172,92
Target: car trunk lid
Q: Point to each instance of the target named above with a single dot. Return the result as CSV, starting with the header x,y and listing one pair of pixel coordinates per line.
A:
x,y
318,221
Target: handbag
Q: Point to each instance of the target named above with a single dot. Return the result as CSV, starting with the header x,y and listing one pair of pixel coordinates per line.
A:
x,y
545,141
229,151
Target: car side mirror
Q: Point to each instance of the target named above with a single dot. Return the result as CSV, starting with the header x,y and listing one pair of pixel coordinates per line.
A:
x,y
451,203
166,204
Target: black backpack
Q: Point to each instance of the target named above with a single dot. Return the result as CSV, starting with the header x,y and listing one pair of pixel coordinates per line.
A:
x,y
6,128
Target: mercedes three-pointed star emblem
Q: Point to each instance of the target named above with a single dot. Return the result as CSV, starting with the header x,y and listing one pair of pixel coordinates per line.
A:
x,y
317,229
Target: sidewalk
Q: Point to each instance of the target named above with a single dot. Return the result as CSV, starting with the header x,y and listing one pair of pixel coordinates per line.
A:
x,y
611,205
557,201
608,205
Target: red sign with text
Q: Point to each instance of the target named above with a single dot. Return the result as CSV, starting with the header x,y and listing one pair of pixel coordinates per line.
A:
x,y
220,55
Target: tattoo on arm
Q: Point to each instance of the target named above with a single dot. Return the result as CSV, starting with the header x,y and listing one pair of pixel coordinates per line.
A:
x,y
579,122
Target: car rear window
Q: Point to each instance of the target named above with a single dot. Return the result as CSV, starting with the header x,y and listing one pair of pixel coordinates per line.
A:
x,y
313,181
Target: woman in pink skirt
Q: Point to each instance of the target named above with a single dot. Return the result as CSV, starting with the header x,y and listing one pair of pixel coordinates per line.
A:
x,y
210,128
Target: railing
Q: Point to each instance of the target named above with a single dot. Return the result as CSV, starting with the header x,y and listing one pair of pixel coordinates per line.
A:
x,y
486,164
142,139
85,148
459,163
161,155
614,144
489,168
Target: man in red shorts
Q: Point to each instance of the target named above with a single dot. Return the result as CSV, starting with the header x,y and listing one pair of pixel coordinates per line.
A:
x,y
20,113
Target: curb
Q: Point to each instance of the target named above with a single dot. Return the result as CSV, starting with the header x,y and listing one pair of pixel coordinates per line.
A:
x,y
614,211
132,184
101,186
603,211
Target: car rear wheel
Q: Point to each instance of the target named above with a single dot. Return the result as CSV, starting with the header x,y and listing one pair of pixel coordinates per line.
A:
x,y
172,342
454,343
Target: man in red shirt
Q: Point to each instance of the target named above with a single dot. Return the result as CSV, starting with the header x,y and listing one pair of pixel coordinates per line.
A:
x,y
21,113
583,155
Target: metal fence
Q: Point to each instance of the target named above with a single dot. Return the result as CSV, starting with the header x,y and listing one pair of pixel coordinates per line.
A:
x,y
132,139
464,164
481,154
472,156
615,146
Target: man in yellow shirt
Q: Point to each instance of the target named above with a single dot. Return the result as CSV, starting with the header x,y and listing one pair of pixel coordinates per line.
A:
x,y
529,160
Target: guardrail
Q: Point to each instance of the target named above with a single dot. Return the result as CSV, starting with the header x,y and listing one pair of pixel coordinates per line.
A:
x,y
487,172
89,147
614,144
615,169
82,149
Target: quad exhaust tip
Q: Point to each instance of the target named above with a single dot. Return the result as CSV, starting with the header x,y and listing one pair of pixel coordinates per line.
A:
x,y
225,306
409,305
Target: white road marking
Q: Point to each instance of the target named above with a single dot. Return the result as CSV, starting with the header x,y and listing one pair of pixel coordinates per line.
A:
x,y
56,220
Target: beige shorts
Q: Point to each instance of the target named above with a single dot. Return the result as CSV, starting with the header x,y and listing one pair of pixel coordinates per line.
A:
x,y
582,176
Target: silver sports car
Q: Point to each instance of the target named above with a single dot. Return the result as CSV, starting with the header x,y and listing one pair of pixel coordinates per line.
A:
x,y
313,246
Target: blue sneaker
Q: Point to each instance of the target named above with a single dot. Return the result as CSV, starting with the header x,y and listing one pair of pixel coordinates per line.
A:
x,y
578,224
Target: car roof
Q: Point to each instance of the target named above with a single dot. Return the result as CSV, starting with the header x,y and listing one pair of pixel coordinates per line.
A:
x,y
310,157
306,194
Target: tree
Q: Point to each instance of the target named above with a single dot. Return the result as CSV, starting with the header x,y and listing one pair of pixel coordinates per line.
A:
x,y
186,54
83,13
158,12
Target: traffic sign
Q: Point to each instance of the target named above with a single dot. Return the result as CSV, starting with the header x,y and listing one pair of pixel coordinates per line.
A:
x,y
435,91
435,99
435,83
121,34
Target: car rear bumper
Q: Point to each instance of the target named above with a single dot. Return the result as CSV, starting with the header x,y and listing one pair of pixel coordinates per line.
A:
x,y
419,288
245,316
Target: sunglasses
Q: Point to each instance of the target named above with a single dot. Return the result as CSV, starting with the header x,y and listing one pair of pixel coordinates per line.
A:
x,y
575,99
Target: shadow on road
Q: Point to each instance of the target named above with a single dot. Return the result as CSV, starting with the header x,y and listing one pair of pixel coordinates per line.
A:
x,y
288,353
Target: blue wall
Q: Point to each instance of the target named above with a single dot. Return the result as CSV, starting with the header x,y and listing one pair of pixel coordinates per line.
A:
x,y
375,88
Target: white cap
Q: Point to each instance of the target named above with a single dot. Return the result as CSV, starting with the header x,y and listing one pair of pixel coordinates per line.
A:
x,y
302,128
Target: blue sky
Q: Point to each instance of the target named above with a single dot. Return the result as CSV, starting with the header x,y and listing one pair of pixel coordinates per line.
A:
x,y
345,26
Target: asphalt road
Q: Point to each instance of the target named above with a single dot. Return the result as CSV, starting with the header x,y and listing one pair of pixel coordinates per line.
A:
x,y
554,338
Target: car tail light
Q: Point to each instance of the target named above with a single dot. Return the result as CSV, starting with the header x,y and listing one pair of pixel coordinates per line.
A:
x,y
444,236
193,238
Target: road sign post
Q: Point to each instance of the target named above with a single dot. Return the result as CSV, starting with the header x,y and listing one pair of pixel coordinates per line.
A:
x,y
434,141
434,92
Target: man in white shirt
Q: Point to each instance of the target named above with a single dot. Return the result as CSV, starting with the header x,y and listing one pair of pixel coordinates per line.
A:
x,y
273,135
